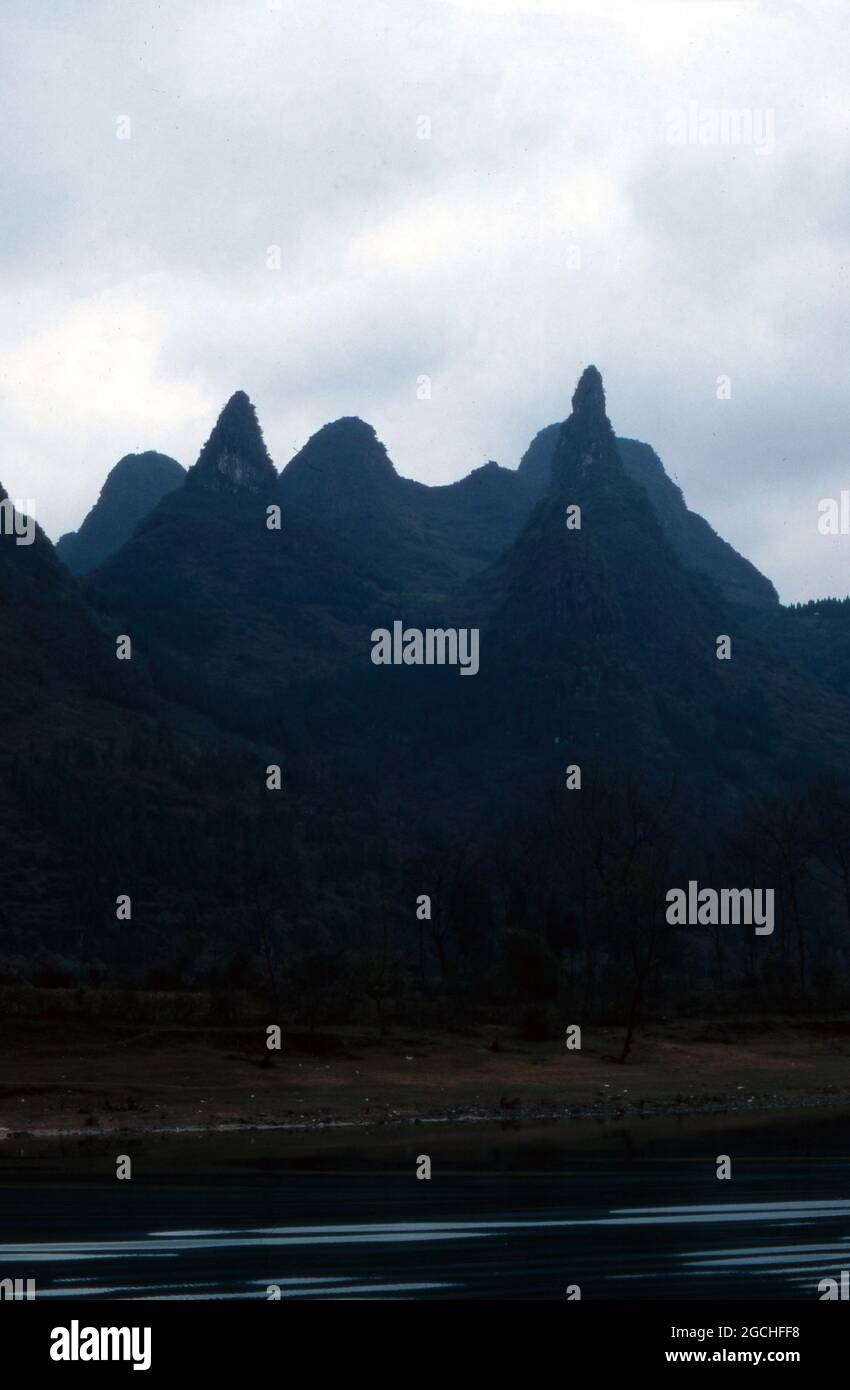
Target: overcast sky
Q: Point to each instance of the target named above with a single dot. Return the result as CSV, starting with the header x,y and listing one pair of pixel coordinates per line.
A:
x,y
553,218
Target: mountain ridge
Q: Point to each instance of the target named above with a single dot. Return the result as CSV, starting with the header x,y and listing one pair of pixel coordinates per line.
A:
x,y
132,489
252,648
693,538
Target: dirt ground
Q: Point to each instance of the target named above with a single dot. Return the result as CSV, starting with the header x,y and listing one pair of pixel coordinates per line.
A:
x,y
70,1076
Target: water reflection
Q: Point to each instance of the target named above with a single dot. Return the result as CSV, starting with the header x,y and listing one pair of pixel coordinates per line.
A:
x,y
658,1225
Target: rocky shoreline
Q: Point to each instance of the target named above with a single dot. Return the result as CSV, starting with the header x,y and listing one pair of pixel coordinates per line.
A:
x,y
512,1112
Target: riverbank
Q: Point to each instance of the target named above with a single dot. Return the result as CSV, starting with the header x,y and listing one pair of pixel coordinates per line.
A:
x,y
67,1077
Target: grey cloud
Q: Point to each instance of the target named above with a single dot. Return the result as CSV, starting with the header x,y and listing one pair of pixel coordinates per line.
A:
x,y
136,296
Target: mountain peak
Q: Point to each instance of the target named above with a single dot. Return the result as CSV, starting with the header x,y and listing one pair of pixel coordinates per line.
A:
x,y
354,443
351,426
586,446
132,489
235,457
340,465
589,395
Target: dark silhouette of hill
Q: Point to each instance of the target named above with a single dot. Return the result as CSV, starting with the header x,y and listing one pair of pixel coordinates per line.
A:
x,y
603,636
412,538
611,641
61,689
251,600
235,459
108,786
603,642
56,653
131,491
235,614
415,538
696,544
816,636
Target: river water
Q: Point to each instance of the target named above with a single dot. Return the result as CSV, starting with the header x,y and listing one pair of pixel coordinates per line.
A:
x,y
624,1211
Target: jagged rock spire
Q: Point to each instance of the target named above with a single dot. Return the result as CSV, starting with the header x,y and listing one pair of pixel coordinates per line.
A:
x,y
235,457
589,395
586,447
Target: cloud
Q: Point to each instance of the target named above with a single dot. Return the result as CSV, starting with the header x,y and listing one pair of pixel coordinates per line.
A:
x,y
137,294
